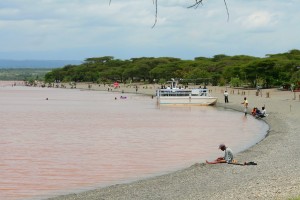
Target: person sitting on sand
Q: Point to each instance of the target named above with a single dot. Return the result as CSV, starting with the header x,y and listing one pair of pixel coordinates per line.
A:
x,y
262,113
228,157
258,112
253,112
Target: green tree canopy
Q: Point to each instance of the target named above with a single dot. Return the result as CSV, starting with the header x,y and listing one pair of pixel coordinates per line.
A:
x,y
272,70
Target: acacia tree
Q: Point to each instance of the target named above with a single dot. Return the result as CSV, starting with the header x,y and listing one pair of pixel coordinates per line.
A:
x,y
194,5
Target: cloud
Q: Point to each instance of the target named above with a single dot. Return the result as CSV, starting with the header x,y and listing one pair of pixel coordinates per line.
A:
x,y
262,20
80,28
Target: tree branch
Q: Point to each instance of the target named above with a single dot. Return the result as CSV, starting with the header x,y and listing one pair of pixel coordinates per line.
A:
x,y
226,10
198,2
195,5
155,2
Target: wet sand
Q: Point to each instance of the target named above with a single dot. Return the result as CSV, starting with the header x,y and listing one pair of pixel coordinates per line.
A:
x,y
277,175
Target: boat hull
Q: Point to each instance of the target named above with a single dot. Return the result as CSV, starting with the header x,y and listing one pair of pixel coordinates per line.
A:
x,y
193,100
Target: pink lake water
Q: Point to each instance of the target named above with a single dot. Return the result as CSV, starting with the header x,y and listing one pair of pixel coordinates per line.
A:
x,y
79,140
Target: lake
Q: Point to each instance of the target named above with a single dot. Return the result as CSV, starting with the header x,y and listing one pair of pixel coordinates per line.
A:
x,y
79,140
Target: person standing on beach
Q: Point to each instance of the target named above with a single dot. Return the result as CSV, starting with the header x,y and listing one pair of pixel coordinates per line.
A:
x,y
245,102
226,96
228,156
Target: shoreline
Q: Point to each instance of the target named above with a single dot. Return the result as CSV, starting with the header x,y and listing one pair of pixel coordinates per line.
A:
x,y
275,177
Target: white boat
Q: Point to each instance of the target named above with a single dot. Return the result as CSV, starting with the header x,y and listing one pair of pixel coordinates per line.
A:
x,y
179,96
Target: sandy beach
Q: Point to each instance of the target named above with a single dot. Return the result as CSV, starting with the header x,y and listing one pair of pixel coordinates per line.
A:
x,y
277,175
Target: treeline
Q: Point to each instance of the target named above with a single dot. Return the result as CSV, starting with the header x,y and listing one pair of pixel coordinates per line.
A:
x,y
23,74
240,70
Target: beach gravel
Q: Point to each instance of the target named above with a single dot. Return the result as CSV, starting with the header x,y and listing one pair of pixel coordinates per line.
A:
x,y
277,175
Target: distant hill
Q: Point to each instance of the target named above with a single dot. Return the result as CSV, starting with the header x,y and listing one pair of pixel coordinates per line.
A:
x,y
37,63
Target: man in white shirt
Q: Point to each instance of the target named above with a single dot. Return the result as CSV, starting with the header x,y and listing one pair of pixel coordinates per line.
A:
x,y
263,112
226,96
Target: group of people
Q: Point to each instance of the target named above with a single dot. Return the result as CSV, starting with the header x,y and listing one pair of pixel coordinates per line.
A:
x,y
259,113
255,111
121,97
228,156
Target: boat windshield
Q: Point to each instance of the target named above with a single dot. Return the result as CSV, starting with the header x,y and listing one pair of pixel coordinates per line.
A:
x,y
183,92
175,93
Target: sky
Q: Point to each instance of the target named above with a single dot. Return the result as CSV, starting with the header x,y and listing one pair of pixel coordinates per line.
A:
x,y
80,29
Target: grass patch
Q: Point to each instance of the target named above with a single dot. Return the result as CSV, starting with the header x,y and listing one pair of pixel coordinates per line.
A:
x,y
296,198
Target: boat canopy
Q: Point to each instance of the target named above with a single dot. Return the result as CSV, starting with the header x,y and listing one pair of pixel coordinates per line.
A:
x,y
183,92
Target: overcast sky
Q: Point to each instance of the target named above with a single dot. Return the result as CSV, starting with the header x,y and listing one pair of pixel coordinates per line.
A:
x,y
78,29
